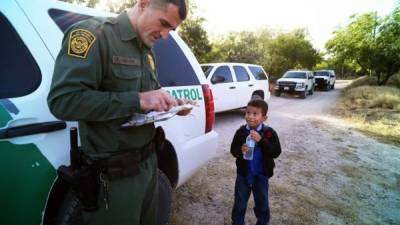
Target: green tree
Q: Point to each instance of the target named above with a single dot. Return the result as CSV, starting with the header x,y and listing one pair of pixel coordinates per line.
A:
x,y
195,36
121,6
291,50
87,3
193,33
238,47
369,44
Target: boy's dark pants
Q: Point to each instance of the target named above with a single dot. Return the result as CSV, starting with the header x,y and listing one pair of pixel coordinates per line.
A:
x,y
242,194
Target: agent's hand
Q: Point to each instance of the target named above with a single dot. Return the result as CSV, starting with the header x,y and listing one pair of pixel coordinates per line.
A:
x,y
183,102
158,100
255,136
245,149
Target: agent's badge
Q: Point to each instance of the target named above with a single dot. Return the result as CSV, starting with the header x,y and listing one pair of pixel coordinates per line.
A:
x,y
80,41
151,62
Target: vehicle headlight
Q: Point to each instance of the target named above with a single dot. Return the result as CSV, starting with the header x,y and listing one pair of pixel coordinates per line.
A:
x,y
299,85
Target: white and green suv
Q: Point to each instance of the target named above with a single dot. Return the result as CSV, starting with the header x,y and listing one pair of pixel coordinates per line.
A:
x,y
34,144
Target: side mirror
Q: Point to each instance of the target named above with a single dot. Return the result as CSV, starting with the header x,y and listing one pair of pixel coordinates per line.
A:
x,y
217,79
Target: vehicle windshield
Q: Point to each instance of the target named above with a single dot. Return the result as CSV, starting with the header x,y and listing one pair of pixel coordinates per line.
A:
x,y
295,75
207,70
321,73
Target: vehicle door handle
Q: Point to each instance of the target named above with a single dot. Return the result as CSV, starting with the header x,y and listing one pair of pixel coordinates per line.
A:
x,y
34,128
233,87
251,85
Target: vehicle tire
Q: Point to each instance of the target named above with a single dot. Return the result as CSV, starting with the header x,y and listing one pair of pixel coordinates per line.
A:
x,y
333,86
327,87
70,210
303,94
277,93
165,199
311,92
258,95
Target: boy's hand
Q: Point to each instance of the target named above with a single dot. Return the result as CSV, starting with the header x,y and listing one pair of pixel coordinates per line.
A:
x,y
254,134
244,148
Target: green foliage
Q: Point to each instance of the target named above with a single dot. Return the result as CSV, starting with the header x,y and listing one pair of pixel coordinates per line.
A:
x,y
276,51
87,3
369,44
120,6
193,33
291,51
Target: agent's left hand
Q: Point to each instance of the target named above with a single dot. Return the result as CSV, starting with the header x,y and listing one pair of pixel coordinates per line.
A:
x,y
254,134
183,102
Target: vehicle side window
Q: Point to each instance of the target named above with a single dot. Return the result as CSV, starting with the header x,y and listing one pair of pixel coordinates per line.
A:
x,y
207,70
173,68
20,74
241,73
225,72
258,73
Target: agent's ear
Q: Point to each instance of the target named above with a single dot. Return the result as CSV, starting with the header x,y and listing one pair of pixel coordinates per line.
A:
x,y
265,118
143,4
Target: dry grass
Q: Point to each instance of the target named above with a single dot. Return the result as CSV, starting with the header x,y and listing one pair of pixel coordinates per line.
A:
x,y
372,109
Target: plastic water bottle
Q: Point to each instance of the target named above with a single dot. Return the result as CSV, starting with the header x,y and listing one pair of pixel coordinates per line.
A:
x,y
251,143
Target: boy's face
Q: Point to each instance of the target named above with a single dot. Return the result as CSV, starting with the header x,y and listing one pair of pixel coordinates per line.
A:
x,y
254,116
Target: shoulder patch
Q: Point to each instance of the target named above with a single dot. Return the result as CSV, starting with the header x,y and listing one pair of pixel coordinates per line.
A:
x,y
80,41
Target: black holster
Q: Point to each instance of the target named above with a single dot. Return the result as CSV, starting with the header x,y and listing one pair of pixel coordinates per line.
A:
x,y
82,175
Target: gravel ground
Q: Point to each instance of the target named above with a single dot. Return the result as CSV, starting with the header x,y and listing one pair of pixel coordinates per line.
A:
x,y
328,173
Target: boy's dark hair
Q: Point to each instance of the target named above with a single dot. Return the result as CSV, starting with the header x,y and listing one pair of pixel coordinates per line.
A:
x,y
259,103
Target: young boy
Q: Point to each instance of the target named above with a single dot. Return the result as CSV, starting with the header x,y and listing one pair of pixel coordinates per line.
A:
x,y
253,175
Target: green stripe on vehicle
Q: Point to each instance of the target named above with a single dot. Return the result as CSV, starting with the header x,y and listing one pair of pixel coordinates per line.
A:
x,y
26,179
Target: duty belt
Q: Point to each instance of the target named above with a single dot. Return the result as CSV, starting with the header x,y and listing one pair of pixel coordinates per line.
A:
x,y
125,164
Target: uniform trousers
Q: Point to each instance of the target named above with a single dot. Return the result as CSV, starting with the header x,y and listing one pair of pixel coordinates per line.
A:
x,y
132,200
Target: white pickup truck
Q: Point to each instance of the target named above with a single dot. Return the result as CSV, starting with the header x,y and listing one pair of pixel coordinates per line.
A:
x,y
34,144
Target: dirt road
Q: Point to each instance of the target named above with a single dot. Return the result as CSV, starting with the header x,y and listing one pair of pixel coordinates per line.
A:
x,y
328,173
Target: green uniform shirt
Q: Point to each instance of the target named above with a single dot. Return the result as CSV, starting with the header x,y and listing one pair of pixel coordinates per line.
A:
x,y
101,68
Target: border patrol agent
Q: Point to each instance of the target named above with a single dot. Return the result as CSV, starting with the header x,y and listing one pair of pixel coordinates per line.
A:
x,y
104,73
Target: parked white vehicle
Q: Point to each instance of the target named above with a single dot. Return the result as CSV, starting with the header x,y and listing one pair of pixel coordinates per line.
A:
x,y
325,79
34,144
233,84
300,82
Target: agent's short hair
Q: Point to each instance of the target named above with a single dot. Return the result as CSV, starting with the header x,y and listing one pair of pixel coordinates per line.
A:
x,y
259,103
181,4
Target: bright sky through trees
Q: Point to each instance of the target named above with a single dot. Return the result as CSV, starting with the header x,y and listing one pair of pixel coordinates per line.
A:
x,y
320,17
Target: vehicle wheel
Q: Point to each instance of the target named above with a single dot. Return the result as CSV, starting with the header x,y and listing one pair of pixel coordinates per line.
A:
x,y
304,94
311,92
327,87
165,199
277,93
70,211
333,86
258,95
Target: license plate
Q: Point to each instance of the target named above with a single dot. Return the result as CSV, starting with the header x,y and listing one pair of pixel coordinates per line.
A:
x,y
285,88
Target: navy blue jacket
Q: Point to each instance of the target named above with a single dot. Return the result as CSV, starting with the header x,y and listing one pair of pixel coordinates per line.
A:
x,y
270,148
